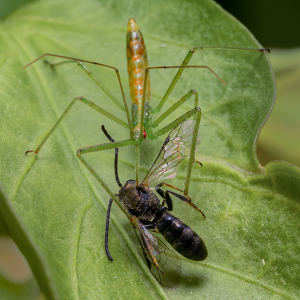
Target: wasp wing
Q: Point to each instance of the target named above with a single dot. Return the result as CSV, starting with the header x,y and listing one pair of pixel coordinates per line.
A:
x,y
164,264
175,149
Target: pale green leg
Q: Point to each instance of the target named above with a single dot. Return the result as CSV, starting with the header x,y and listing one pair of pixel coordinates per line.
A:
x,y
176,105
196,112
175,123
101,147
192,155
185,63
137,162
87,102
181,68
108,93
94,78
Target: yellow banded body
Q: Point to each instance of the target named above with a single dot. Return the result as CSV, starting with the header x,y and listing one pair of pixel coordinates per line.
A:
x,y
137,62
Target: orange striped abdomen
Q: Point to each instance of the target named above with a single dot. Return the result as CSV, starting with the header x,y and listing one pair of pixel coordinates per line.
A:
x,y
137,63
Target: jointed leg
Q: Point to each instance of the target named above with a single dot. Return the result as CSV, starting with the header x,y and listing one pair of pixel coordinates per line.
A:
x,y
95,79
87,102
176,122
181,68
192,154
194,112
186,61
176,105
166,198
186,199
176,78
101,147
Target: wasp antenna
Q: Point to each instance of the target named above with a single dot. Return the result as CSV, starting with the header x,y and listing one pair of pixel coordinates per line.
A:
x,y
116,155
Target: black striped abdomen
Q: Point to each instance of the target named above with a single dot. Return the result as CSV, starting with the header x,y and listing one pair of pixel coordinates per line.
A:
x,y
182,238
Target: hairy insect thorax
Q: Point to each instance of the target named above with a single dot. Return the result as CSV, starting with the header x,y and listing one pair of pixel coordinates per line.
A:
x,y
140,202
137,62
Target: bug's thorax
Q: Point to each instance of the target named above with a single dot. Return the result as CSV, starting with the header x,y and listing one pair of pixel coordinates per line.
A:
x,y
139,201
137,62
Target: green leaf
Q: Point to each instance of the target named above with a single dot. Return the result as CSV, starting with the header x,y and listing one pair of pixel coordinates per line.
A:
x,y
16,278
7,6
57,210
280,138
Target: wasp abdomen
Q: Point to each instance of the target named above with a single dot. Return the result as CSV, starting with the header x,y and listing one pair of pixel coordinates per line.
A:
x,y
181,237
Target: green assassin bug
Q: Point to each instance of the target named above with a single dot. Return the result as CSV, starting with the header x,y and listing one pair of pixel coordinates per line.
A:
x,y
139,124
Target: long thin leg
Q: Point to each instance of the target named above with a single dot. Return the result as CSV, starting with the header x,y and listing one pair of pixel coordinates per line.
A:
x,y
265,50
92,76
177,122
175,106
181,101
87,102
101,147
180,197
137,163
194,112
192,154
107,228
98,64
186,61
188,201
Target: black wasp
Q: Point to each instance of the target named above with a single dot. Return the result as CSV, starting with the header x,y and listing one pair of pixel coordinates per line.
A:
x,y
146,213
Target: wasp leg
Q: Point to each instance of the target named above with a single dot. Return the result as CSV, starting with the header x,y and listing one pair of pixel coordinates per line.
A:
x,y
166,198
169,185
186,199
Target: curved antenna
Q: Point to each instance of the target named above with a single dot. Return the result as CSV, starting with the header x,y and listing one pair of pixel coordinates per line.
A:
x,y
107,228
116,155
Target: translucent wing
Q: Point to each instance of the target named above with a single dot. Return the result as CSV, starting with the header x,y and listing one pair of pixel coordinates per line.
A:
x,y
175,149
164,264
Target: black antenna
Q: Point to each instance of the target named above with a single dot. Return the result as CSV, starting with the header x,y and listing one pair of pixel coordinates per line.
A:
x,y
116,155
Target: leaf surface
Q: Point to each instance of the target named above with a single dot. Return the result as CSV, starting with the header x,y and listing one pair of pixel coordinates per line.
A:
x,y
252,228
